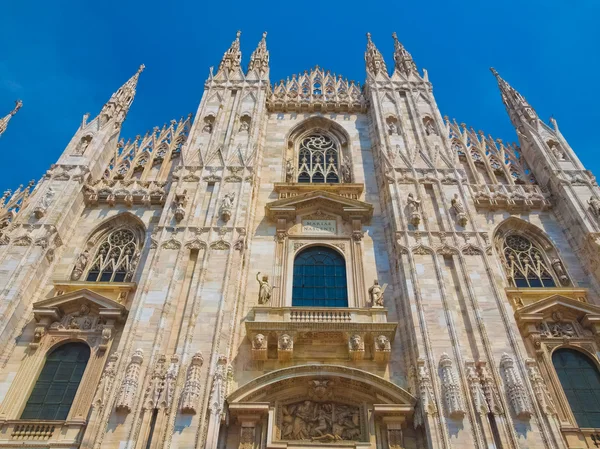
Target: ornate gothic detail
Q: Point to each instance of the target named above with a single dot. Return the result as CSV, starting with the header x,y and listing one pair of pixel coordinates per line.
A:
x,y
298,245
259,347
316,89
219,387
426,405
115,259
265,289
403,60
515,388
126,395
318,160
331,422
227,206
168,390
4,121
451,388
285,347
156,385
106,382
413,207
259,61
180,200
382,349
471,250
193,388
489,389
459,209
220,245
476,389
524,262
44,203
80,265
376,294
559,328
172,243
356,347
119,103
540,389
232,57
373,58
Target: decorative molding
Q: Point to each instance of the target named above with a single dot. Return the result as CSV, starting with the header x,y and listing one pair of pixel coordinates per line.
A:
x,y
192,389
452,393
126,395
515,388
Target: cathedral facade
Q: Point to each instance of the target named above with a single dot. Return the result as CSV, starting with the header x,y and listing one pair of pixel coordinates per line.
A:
x,y
311,262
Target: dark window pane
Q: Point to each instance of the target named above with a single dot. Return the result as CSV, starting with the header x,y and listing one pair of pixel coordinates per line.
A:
x,y
316,271
58,382
580,381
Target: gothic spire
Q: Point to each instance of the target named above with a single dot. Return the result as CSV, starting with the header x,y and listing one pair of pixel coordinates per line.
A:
x,y
119,103
259,60
4,121
403,60
515,103
232,57
373,58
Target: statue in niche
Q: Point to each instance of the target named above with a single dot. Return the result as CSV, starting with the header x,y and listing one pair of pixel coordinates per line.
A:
x,y
227,206
208,127
459,208
560,271
346,174
414,207
289,171
80,265
556,151
429,128
376,294
244,126
320,422
265,289
392,128
595,205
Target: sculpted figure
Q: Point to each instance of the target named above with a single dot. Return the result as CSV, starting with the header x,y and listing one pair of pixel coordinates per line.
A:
x,y
376,293
457,204
80,265
382,343
413,204
595,205
259,342
346,175
355,342
285,342
393,128
227,202
244,126
265,289
429,128
289,171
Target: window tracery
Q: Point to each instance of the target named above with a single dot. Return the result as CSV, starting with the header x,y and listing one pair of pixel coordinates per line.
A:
x,y
318,160
116,257
525,263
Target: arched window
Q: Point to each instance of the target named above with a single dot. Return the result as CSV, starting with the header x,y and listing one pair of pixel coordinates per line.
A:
x,y
58,382
319,278
525,263
580,381
318,160
116,257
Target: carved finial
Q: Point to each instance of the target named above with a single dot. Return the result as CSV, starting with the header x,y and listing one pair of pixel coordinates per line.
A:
x,y
141,68
232,57
259,60
373,58
402,58
4,121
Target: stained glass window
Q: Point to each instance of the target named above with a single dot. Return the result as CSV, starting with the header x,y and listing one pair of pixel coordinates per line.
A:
x,y
319,278
318,160
115,258
525,263
580,381
58,382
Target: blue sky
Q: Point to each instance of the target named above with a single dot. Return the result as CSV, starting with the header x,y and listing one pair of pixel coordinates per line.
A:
x,y
65,58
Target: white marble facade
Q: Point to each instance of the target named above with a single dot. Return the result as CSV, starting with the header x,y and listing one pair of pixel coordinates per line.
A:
x,y
194,340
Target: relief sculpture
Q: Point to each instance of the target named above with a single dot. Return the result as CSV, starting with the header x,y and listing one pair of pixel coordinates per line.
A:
x,y
324,422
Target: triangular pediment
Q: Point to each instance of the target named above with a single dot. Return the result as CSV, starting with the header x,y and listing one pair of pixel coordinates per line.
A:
x,y
319,200
559,303
73,301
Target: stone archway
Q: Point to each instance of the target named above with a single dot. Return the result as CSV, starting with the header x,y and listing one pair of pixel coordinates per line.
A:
x,y
309,404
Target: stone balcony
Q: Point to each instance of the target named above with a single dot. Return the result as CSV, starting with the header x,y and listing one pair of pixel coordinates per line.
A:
x,y
297,332
40,433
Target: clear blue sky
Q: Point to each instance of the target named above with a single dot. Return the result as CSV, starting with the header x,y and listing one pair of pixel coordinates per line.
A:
x,y
65,58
